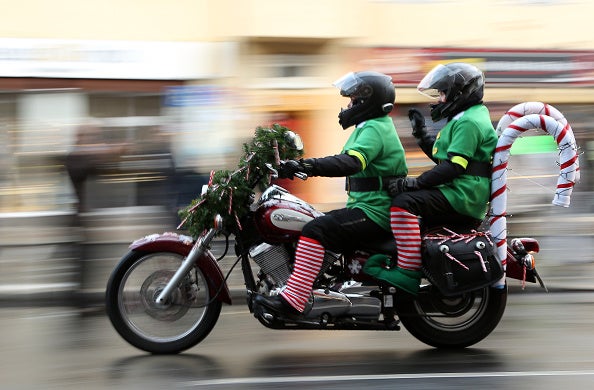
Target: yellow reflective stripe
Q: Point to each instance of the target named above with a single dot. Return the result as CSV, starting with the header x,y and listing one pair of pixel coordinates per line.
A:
x,y
359,156
460,161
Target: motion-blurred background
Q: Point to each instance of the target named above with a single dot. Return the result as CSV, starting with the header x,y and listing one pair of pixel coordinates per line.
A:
x,y
113,113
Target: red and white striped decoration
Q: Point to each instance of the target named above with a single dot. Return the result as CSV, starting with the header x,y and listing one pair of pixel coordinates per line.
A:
x,y
540,108
520,118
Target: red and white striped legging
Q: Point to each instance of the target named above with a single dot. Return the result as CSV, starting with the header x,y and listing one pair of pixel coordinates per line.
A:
x,y
406,231
309,257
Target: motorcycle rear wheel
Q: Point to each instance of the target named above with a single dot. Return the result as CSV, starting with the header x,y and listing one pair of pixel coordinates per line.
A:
x,y
181,323
451,322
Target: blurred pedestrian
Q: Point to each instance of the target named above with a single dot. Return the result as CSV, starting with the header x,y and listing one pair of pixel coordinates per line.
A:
x,y
87,156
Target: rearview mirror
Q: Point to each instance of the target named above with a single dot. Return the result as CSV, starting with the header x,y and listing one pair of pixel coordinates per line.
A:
x,y
294,140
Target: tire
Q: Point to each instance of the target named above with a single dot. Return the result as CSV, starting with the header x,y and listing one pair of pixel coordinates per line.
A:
x,y
451,322
160,329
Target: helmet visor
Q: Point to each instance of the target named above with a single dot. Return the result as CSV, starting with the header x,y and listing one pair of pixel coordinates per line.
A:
x,y
352,85
434,81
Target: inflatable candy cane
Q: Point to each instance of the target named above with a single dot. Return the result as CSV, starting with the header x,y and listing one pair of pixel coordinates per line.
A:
x,y
527,108
529,116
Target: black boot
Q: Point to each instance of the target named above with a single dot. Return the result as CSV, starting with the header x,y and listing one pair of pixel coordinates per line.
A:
x,y
277,304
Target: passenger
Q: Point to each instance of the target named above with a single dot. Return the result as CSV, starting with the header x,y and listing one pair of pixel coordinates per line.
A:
x,y
458,187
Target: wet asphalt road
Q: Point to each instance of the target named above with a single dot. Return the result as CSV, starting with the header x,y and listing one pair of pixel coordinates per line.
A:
x,y
545,341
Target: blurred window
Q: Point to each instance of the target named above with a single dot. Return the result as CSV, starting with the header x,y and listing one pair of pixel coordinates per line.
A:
x,y
125,115
277,65
291,71
108,105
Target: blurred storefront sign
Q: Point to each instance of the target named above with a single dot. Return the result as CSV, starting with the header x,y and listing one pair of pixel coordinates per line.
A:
x,y
202,121
132,60
501,67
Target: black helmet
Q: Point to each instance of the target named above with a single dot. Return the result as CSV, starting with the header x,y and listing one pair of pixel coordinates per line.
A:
x,y
372,95
462,84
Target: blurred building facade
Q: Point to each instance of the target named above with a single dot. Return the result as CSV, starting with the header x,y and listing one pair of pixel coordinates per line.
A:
x,y
183,84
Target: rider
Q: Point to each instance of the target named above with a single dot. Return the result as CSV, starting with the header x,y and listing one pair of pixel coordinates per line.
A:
x,y
457,189
372,156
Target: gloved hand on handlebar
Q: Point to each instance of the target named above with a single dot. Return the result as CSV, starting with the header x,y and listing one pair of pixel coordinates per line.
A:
x,y
339,165
402,184
417,122
289,168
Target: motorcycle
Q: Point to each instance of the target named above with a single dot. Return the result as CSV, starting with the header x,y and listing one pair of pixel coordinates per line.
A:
x,y
166,294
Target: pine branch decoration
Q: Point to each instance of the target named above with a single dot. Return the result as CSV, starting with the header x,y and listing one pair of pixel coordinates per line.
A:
x,y
230,192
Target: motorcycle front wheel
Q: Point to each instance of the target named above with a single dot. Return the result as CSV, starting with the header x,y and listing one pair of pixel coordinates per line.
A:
x,y
451,322
182,322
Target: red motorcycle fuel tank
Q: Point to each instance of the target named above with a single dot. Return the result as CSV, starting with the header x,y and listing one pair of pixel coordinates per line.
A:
x,y
280,216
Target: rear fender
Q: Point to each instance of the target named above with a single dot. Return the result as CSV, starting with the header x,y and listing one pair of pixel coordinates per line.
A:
x,y
515,270
182,245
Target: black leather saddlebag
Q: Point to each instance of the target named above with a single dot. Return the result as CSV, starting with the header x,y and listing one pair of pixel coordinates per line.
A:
x,y
458,263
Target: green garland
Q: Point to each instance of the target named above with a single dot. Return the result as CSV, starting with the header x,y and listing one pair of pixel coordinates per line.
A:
x,y
230,193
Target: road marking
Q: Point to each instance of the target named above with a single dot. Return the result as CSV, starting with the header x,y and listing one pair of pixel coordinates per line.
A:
x,y
237,312
38,287
343,378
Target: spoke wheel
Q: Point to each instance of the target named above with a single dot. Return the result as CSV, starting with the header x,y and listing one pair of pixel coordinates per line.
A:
x,y
452,322
181,322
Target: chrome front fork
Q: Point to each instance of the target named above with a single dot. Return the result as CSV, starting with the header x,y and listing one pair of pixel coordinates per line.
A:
x,y
199,248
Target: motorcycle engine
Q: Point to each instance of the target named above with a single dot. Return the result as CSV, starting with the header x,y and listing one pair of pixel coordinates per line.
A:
x,y
273,261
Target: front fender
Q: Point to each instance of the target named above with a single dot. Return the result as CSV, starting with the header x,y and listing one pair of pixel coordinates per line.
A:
x,y
182,245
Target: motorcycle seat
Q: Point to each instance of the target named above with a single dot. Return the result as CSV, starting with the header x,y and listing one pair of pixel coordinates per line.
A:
x,y
383,244
387,245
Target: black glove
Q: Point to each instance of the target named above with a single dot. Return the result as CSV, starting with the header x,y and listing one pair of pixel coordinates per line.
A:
x,y
402,184
417,122
289,168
